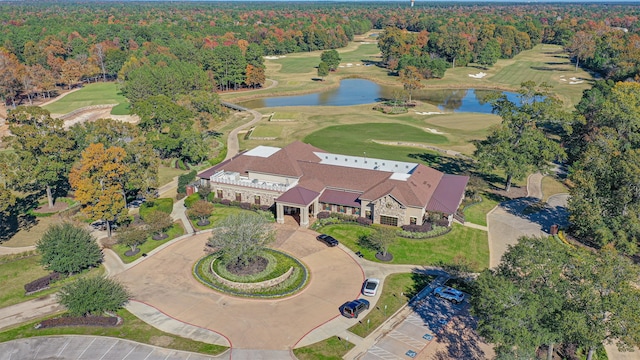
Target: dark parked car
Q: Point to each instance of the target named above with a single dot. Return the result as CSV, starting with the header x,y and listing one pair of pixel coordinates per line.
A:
x,y
328,239
102,225
135,204
352,309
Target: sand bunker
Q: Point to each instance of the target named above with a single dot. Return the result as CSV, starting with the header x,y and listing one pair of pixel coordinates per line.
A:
x,y
428,113
274,57
479,75
434,131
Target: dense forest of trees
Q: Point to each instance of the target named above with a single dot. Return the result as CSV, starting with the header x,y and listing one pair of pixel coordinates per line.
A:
x,y
40,48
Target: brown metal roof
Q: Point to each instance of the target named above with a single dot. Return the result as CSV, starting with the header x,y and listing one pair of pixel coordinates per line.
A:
x,y
299,196
447,196
425,187
339,197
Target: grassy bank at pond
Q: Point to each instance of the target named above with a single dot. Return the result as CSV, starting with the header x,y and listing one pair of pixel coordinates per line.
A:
x,y
132,329
295,73
15,272
100,93
460,243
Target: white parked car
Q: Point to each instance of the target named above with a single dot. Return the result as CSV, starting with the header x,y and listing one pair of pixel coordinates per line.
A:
x,y
370,287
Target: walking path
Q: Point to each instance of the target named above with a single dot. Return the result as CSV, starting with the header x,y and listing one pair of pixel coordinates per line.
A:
x,y
29,310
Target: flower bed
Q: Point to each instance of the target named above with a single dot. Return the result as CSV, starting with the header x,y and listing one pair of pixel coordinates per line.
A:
x,y
103,321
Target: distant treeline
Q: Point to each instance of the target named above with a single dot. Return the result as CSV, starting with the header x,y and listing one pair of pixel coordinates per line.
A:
x,y
51,44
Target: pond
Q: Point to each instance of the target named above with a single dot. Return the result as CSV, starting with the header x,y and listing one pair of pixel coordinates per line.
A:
x,y
360,91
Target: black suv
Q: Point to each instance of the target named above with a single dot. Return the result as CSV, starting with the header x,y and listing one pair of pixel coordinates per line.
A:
x,y
327,239
352,309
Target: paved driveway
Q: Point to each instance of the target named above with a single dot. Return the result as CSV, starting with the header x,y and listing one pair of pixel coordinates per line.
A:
x,y
507,223
165,281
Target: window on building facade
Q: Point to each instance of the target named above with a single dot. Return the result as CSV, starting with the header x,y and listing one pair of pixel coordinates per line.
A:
x,y
220,196
238,197
326,207
388,220
341,209
256,199
413,220
356,211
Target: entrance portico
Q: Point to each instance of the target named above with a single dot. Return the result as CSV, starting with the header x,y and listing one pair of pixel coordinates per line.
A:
x,y
297,200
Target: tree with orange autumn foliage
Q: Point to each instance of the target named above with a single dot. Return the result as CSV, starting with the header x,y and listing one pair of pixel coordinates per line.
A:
x,y
97,180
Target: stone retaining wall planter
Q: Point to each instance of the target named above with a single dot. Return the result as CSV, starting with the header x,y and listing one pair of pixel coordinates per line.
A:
x,y
252,286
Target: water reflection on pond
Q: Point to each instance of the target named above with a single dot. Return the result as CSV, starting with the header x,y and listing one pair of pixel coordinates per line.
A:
x,y
360,91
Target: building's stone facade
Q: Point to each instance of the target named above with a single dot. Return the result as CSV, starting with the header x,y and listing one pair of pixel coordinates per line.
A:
x,y
247,194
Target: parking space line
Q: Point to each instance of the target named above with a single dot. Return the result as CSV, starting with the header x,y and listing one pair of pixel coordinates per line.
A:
x,y
406,339
66,343
112,345
130,351
37,352
149,354
381,353
88,346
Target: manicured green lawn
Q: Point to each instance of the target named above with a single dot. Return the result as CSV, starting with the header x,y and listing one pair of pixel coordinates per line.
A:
x,y
175,231
285,115
132,329
552,186
166,174
220,212
356,139
298,65
121,109
362,53
333,348
461,242
397,290
91,94
16,272
477,213
267,130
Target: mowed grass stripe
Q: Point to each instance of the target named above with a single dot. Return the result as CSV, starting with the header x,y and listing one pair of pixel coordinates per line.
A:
x,y
91,94
357,139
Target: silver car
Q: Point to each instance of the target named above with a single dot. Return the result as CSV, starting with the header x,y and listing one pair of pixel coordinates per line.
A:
x,y
451,294
370,287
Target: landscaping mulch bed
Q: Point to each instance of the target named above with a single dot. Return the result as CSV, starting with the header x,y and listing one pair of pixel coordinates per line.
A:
x,y
131,253
102,321
387,257
255,266
160,237
203,223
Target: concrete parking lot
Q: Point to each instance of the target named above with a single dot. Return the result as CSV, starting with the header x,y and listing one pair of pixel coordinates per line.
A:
x,y
434,329
91,348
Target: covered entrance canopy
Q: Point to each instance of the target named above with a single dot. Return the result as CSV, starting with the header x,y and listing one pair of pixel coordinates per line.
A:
x,y
298,198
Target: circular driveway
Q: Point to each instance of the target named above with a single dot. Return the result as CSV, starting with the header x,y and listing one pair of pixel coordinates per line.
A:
x,y
165,281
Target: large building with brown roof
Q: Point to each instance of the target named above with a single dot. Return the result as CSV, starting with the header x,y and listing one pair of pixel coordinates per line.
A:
x,y
302,180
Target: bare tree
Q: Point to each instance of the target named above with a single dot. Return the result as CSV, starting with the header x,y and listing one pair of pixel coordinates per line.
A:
x,y
98,51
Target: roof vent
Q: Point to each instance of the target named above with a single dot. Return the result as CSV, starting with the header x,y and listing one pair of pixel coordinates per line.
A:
x,y
336,158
